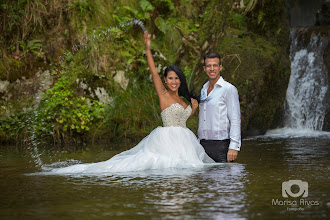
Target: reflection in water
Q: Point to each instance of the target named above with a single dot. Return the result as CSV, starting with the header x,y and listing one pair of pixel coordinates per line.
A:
x,y
242,190
296,140
217,191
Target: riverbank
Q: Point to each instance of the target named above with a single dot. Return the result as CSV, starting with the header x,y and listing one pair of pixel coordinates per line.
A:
x,y
79,74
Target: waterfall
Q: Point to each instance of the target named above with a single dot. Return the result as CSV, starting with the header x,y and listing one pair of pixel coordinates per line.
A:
x,y
305,103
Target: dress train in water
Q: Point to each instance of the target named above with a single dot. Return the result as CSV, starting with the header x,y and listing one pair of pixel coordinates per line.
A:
x,y
171,146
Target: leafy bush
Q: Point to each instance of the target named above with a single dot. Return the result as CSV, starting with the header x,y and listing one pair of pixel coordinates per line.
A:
x,y
82,7
14,127
62,111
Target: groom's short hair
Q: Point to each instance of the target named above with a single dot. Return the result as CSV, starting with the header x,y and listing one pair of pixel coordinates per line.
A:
x,y
212,55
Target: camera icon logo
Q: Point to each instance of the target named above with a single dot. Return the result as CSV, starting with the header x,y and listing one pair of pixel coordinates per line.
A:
x,y
286,188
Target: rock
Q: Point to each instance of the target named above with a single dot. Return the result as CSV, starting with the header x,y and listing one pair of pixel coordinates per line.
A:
x,y
323,15
103,96
121,79
3,86
205,45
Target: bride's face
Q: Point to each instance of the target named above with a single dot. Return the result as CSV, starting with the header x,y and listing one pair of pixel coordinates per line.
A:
x,y
173,81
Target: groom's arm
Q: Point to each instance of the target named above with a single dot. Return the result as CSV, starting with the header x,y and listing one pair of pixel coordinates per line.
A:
x,y
234,116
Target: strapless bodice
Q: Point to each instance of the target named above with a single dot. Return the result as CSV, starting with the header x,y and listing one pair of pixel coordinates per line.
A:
x,y
175,115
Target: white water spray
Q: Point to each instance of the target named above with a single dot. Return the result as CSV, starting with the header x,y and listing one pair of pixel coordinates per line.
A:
x,y
34,141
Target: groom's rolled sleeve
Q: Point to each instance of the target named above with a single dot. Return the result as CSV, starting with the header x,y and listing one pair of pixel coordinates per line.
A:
x,y
234,116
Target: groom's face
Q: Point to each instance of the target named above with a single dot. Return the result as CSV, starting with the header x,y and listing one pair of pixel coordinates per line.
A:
x,y
212,68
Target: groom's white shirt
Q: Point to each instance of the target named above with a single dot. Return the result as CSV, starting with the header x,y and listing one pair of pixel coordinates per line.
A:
x,y
219,114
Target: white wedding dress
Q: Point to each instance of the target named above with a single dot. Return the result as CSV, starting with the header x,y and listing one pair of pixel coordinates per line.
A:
x,y
171,146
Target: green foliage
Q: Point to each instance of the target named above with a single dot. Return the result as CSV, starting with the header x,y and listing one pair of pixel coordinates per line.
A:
x,y
269,18
261,21
68,56
164,25
61,110
146,8
135,111
143,12
12,13
187,71
14,127
145,5
168,3
237,20
11,69
82,7
181,29
22,18
33,46
250,6
133,52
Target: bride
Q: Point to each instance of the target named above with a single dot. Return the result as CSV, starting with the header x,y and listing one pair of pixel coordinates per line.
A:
x,y
173,145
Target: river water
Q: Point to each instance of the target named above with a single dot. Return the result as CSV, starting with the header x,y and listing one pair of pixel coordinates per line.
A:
x,y
251,188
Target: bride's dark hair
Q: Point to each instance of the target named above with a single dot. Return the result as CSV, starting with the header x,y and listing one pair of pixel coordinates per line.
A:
x,y
183,89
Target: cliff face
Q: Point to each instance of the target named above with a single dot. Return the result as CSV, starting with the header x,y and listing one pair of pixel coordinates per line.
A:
x,y
80,71
254,41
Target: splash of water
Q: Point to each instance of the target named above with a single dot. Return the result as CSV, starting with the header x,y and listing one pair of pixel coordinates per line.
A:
x,y
99,35
34,142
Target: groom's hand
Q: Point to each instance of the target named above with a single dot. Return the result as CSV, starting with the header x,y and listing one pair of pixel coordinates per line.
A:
x,y
231,155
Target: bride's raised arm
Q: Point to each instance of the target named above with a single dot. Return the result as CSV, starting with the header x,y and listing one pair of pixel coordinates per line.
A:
x,y
160,89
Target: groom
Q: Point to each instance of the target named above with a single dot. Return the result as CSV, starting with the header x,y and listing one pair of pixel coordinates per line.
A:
x,y
219,128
